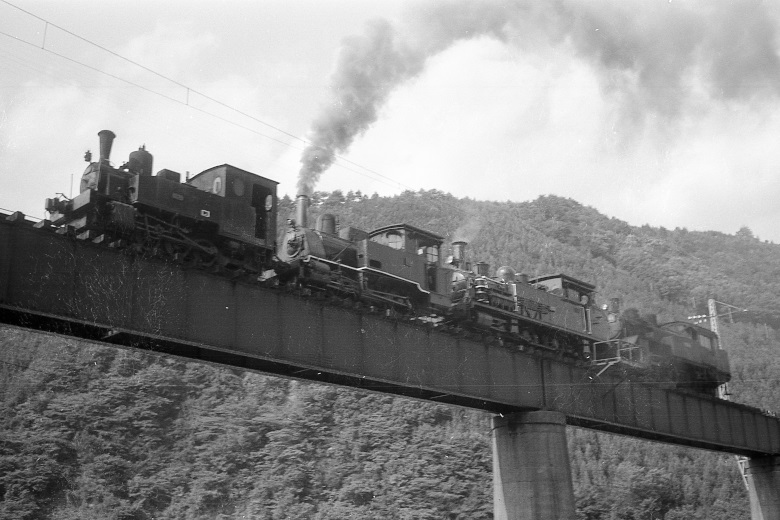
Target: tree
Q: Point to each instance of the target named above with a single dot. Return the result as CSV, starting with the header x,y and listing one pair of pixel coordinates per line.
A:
x,y
744,233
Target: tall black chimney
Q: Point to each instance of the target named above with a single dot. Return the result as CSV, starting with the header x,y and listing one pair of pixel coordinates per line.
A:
x,y
459,253
301,210
106,140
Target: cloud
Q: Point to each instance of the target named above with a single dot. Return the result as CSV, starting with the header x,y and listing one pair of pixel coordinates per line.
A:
x,y
52,119
655,113
615,104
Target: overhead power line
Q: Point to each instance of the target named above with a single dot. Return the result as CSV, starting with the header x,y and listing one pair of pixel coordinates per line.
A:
x,y
341,161
367,172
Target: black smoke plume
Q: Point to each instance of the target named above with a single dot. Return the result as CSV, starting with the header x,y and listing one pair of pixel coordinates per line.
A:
x,y
652,58
367,70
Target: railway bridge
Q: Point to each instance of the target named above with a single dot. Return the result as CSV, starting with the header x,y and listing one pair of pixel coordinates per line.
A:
x,y
52,282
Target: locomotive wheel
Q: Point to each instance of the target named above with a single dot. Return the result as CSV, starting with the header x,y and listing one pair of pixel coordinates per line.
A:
x,y
203,255
204,260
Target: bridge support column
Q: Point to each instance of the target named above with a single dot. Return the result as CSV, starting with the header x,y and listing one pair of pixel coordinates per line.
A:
x,y
763,477
531,470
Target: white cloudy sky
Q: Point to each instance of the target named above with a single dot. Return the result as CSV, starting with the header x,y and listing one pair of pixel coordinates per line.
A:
x,y
665,113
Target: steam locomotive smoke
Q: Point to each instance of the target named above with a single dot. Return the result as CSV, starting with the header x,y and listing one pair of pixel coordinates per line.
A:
x,y
652,59
371,66
368,69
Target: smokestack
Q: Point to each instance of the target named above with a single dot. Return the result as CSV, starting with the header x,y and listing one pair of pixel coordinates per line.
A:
x,y
106,140
458,253
301,210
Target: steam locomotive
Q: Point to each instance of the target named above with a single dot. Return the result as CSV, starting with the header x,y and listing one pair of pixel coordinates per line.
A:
x,y
400,268
225,219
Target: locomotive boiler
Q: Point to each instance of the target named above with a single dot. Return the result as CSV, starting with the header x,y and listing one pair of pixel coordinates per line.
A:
x,y
223,217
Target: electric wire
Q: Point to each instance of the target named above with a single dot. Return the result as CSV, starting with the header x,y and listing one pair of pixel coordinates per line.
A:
x,y
189,90
340,160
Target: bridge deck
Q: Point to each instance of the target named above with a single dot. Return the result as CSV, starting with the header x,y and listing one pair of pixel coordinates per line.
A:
x,y
52,282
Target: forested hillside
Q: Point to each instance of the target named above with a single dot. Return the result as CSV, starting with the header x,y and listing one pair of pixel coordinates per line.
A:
x,y
93,432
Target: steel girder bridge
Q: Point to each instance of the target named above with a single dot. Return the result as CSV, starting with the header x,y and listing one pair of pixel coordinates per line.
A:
x,y
56,283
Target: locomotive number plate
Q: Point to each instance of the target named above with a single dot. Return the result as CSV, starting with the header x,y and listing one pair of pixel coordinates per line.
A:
x,y
205,213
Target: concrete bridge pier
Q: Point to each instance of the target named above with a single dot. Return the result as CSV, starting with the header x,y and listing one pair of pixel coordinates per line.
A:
x,y
531,470
763,477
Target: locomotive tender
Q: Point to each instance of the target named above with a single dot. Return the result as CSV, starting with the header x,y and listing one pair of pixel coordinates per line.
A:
x,y
224,219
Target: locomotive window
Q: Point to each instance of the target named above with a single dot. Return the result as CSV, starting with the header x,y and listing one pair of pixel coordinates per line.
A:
x,y
259,201
238,187
431,253
395,240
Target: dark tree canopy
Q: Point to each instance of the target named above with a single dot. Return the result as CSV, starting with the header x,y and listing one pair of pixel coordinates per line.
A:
x,y
94,432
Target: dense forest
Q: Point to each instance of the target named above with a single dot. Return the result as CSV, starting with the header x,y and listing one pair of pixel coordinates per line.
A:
x,y
96,432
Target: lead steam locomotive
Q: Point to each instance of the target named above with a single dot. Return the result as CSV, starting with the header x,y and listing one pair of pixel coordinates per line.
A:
x,y
223,216
224,219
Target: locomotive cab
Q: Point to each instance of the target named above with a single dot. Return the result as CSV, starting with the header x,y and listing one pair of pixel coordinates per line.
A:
x,y
578,292
416,254
248,202
699,336
411,252
699,347
566,286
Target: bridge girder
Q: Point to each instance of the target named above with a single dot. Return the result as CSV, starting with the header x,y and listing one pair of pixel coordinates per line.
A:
x,y
56,283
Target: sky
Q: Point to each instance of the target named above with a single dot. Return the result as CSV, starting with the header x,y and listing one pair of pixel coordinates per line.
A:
x,y
653,112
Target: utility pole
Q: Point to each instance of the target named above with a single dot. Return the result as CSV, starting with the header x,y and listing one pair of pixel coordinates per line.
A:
x,y
712,315
723,393
712,307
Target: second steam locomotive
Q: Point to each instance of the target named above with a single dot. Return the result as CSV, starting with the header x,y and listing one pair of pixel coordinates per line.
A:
x,y
224,219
